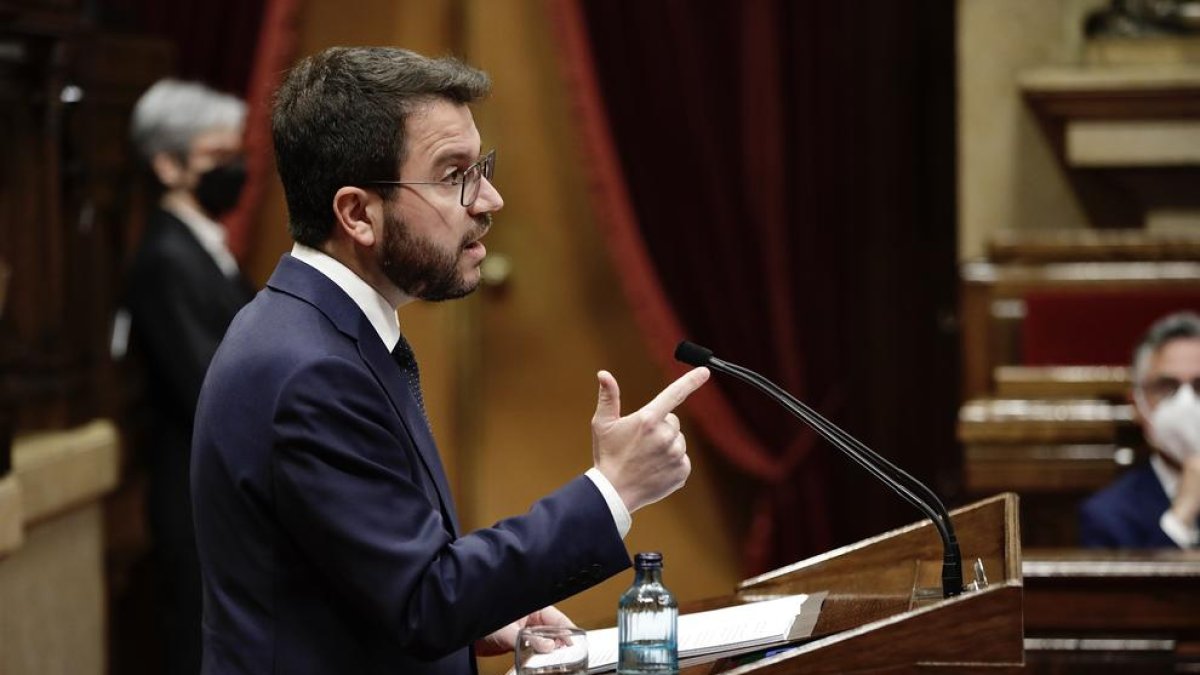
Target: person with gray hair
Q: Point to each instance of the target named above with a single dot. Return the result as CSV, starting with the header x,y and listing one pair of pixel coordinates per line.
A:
x,y
183,289
1157,504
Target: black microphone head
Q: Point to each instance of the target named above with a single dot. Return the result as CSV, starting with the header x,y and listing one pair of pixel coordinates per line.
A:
x,y
692,354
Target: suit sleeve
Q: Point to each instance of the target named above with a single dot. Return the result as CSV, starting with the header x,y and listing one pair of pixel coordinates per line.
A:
x,y
348,490
1107,521
1095,528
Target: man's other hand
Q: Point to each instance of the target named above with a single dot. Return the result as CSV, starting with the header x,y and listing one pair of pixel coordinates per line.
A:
x,y
505,639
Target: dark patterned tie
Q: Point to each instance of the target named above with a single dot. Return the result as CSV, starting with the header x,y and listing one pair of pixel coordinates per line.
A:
x,y
407,360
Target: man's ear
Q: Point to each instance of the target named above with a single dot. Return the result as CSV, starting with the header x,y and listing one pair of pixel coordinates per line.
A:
x,y
168,169
359,215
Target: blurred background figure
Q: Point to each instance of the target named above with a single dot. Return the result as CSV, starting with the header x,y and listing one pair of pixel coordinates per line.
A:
x,y
183,290
1157,504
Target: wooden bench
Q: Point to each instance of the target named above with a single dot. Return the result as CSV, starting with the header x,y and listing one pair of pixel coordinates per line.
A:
x,y
1109,383
1091,245
1051,452
994,299
1112,611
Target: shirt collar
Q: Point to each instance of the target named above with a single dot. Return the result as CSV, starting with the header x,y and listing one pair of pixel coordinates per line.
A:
x,y
378,310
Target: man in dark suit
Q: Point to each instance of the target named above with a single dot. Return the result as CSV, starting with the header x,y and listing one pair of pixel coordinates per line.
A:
x,y
184,288
1156,505
328,538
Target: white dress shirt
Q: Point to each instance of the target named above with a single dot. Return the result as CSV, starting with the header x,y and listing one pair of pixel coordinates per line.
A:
x,y
382,316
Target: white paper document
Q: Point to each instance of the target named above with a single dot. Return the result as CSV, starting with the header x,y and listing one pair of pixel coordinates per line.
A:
x,y
725,631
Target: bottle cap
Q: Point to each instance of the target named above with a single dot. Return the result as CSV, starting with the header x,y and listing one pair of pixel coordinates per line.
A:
x,y
648,560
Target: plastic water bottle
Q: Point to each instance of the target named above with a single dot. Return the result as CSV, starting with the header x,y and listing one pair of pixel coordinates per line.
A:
x,y
647,619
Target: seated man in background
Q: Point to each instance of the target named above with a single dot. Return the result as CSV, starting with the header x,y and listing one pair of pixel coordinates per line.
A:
x,y
1156,505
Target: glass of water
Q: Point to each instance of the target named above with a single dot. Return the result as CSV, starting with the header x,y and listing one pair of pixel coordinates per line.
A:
x,y
551,650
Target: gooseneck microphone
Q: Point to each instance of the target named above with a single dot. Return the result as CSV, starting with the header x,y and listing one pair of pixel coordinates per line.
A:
x,y
901,482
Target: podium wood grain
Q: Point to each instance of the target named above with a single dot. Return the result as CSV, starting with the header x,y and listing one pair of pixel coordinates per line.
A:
x,y
876,618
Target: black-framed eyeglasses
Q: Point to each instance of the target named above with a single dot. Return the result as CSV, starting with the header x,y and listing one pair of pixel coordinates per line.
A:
x,y
1162,388
468,179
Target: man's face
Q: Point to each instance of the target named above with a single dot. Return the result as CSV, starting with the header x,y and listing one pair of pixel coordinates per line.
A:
x,y
430,244
1175,363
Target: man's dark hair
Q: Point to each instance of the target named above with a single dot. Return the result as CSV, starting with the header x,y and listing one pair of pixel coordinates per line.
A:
x,y
1172,327
339,119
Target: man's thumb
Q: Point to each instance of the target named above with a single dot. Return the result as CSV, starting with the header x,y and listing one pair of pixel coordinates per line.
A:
x,y
608,403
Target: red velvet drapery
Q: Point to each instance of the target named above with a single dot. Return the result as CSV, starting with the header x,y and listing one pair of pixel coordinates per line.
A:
x,y
769,176
714,412
274,54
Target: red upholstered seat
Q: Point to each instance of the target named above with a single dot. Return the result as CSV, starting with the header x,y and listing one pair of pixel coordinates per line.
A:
x,y
1094,327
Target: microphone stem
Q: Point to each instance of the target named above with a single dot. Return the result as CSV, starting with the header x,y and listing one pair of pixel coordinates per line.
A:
x,y
812,417
900,481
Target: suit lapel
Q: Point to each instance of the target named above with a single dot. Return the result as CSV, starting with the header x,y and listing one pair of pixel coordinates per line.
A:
x,y
380,361
302,281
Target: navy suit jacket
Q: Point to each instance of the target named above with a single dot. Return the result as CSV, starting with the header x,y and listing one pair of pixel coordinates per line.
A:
x,y
1126,513
327,536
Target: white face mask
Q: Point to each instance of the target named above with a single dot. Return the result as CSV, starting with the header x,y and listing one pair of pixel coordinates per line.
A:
x,y
1175,424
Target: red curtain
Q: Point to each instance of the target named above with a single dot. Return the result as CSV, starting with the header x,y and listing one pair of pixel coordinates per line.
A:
x,y
775,181
275,51
1094,326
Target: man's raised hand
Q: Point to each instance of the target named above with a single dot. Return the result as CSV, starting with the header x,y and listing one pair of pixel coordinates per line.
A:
x,y
643,454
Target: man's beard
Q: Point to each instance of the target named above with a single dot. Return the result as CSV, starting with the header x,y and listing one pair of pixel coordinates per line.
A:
x,y
421,270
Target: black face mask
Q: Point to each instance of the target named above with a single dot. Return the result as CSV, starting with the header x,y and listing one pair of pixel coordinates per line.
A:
x,y
219,188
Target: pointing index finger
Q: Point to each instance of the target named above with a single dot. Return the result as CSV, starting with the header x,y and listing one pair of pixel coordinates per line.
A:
x,y
676,393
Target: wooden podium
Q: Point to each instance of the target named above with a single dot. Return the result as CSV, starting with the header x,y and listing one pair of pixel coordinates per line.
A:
x,y
1130,611
884,612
